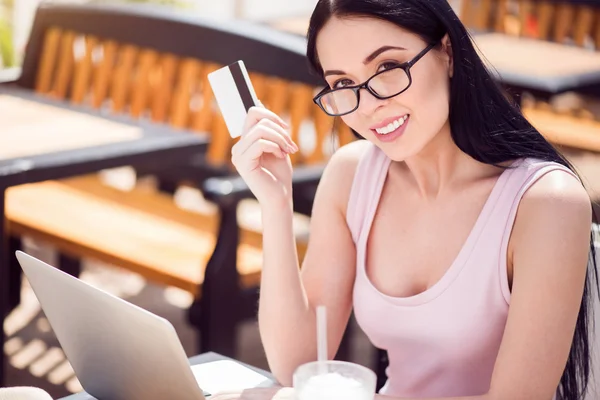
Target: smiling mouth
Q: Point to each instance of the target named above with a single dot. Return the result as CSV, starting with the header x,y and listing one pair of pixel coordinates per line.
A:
x,y
392,126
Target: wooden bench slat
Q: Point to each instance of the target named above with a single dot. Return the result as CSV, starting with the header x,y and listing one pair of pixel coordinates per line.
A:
x,y
483,14
102,76
501,12
65,65
566,130
563,22
583,24
145,234
187,78
50,53
121,84
204,116
141,90
545,13
83,71
596,35
162,81
300,114
323,136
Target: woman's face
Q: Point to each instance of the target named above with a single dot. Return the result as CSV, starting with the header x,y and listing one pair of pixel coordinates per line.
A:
x,y
351,50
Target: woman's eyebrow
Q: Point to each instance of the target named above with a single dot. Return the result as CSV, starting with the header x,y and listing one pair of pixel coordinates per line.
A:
x,y
367,60
379,51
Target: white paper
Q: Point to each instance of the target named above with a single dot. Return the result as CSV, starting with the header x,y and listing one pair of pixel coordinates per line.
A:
x,y
226,375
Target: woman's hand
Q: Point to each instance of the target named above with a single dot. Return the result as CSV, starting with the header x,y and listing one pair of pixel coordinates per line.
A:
x,y
277,393
261,157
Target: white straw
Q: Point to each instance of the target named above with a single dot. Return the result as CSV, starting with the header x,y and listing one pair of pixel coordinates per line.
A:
x,y
321,333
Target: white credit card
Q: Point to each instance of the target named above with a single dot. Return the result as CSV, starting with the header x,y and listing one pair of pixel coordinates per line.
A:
x,y
235,95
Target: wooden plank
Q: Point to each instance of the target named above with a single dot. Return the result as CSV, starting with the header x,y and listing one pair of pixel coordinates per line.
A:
x,y
65,66
219,151
483,14
300,116
30,128
466,12
203,118
525,8
121,84
83,71
162,81
344,133
142,231
259,82
596,34
279,95
140,96
501,13
50,52
563,22
186,84
565,130
584,22
323,136
545,12
104,72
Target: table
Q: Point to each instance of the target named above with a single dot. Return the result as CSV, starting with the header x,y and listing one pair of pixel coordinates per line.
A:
x,y
200,359
543,67
43,139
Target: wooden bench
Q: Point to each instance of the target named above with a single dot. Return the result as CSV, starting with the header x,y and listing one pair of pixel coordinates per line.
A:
x,y
576,22
153,66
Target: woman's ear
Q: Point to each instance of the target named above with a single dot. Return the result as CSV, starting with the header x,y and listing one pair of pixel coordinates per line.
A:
x,y
447,50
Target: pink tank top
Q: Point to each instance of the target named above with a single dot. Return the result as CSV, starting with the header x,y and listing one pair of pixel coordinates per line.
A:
x,y
444,341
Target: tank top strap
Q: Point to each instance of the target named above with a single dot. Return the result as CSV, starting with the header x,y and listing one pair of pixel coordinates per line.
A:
x,y
366,186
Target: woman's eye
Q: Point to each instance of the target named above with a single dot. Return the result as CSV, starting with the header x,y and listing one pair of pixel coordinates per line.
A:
x,y
388,65
342,83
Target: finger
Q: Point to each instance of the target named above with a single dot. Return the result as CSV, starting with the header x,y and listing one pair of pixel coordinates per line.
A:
x,y
255,114
283,132
262,131
257,149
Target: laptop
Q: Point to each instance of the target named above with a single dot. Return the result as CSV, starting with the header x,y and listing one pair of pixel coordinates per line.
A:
x,y
120,351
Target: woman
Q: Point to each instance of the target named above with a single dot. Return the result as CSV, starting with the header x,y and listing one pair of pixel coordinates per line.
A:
x,y
456,233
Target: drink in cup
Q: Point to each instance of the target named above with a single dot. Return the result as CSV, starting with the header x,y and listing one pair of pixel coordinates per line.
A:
x,y
334,380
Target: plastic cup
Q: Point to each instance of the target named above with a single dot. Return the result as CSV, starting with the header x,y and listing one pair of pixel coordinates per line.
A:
x,y
334,380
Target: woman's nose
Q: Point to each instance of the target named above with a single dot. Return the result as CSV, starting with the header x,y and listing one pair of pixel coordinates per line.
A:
x,y
368,103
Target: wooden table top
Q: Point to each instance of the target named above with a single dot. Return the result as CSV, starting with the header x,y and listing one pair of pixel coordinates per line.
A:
x,y
43,138
539,64
31,128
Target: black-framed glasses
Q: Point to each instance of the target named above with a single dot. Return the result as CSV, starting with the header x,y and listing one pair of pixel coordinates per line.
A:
x,y
383,85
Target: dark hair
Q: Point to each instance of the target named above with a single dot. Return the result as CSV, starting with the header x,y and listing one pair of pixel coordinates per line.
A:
x,y
484,123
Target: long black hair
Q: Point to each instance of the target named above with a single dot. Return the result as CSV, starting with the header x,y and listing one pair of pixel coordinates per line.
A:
x,y
485,124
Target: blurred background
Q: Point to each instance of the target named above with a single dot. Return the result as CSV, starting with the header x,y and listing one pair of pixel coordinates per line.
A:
x,y
34,355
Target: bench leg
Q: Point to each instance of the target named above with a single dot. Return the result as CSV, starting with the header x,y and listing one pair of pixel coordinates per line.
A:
x,y
14,292
4,284
344,352
381,364
70,265
216,313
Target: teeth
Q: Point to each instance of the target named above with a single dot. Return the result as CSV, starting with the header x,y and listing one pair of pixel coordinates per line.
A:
x,y
392,126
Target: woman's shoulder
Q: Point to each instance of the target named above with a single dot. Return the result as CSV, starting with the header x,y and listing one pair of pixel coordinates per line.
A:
x,y
341,169
558,193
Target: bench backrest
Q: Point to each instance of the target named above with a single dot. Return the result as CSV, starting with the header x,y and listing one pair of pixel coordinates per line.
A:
x,y
154,64
575,21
